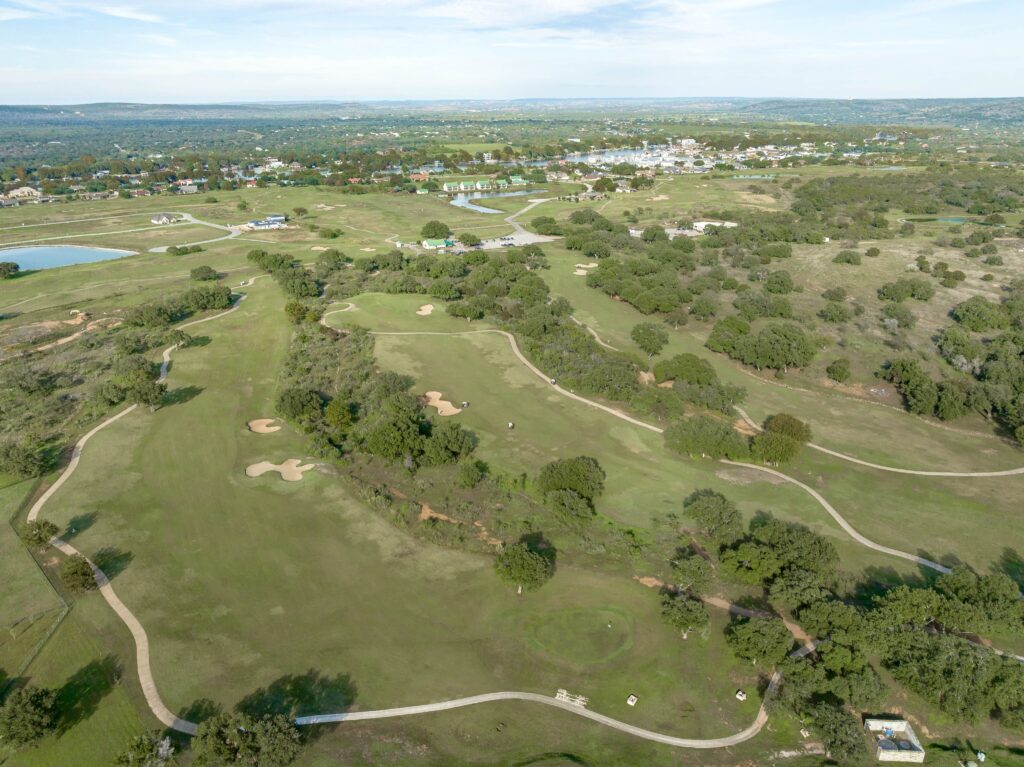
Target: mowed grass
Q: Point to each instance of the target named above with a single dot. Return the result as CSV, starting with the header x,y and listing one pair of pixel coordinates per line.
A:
x,y
90,662
28,604
243,582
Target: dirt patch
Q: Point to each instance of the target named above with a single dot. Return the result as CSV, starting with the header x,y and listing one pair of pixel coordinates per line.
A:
x,y
398,494
427,513
426,310
263,426
319,247
444,407
108,321
646,377
666,384
649,581
745,428
658,198
290,470
321,206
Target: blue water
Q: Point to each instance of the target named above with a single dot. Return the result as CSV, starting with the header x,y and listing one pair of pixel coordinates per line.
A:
x,y
463,200
50,256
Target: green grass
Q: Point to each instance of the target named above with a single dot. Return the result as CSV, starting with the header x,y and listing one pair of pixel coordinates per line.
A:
x,y
241,582
91,664
28,604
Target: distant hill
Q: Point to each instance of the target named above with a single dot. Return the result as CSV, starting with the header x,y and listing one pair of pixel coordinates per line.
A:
x,y
981,113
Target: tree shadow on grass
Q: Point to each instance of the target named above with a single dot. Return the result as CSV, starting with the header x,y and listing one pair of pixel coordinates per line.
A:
x,y
80,696
112,561
876,581
198,341
1012,564
552,758
78,524
201,710
295,695
181,395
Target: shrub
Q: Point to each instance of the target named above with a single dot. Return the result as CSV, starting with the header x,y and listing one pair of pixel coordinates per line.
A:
x,y
203,273
839,370
850,257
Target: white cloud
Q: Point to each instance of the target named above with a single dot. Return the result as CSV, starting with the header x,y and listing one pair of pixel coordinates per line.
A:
x,y
124,12
14,14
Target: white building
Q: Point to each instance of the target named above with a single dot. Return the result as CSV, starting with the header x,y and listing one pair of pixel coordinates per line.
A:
x,y
163,218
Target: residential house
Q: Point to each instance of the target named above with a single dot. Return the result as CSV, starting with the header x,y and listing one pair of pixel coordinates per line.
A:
x,y
163,218
450,186
188,189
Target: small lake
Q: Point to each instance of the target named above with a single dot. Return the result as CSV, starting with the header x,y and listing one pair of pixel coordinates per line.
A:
x,y
51,256
465,199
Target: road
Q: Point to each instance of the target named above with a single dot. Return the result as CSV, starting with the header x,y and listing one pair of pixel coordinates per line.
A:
x,y
232,232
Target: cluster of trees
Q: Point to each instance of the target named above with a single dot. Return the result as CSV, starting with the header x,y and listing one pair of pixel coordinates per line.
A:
x,y
780,440
850,205
8,270
332,392
778,346
183,250
914,631
203,273
160,314
695,380
293,278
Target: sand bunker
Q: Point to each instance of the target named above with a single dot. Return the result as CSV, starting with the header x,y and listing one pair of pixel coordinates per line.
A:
x,y
444,407
319,247
581,269
290,470
426,310
658,198
321,206
580,272
367,250
263,426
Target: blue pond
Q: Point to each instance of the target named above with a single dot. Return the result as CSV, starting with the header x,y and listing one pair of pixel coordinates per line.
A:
x,y
465,200
50,256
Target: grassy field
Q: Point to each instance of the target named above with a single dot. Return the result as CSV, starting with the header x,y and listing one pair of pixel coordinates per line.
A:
x,y
257,591
28,604
232,604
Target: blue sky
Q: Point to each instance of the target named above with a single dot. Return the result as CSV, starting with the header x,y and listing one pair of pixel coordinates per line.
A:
x,y
75,51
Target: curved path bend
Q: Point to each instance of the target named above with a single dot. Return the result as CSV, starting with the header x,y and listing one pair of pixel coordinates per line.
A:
x,y
881,467
619,414
149,690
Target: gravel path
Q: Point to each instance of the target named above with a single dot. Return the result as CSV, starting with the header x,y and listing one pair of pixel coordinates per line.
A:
x,y
842,456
